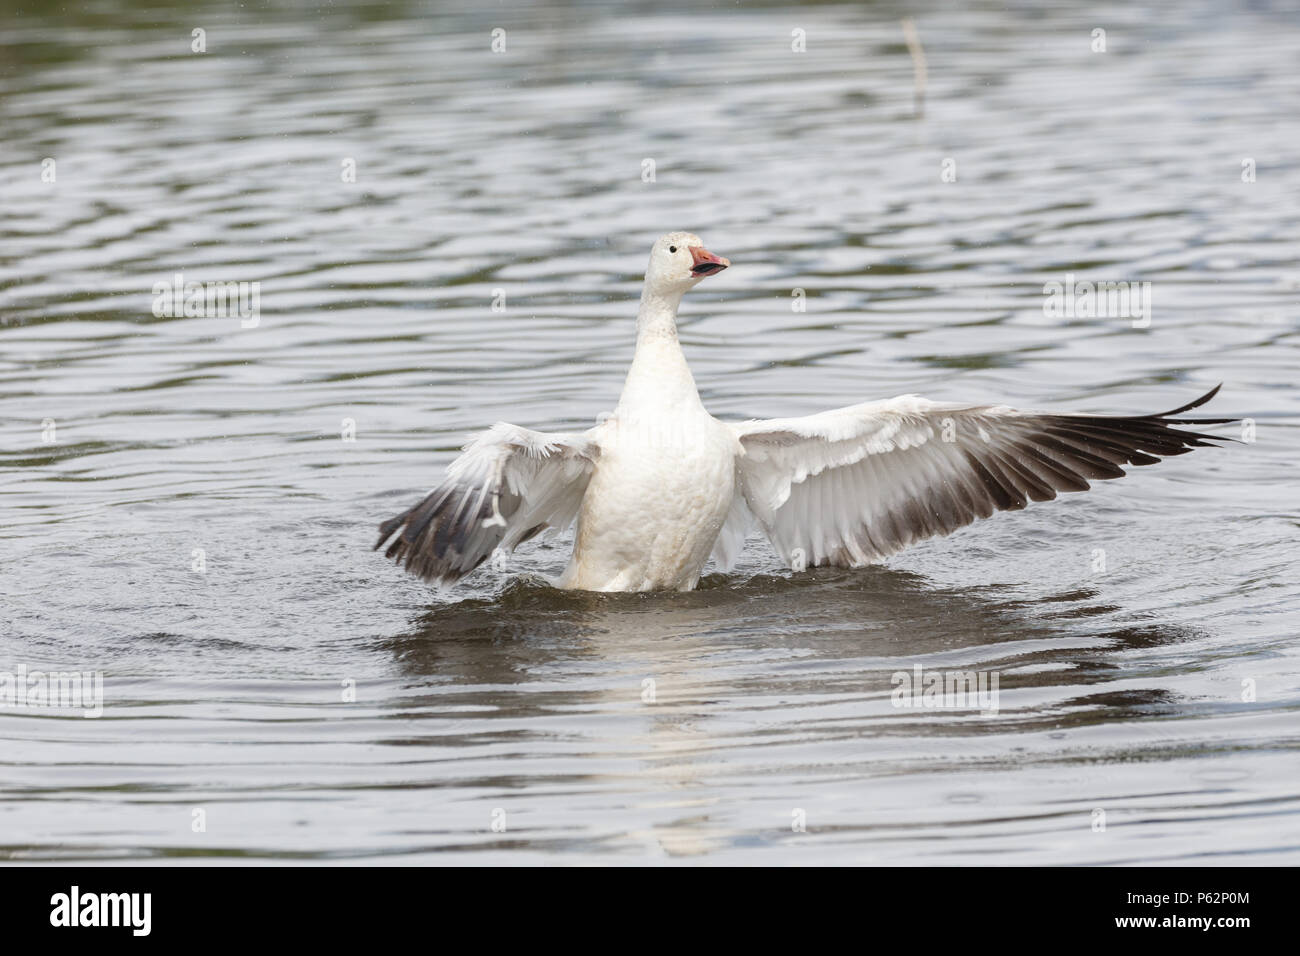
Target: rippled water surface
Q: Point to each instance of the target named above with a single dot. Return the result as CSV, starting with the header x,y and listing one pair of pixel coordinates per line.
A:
x,y
131,446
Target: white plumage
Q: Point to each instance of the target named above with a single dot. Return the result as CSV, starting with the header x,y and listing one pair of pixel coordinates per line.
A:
x,y
662,485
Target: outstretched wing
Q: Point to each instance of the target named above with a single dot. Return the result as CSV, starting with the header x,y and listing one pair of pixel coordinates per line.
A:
x,y
509,484
854,485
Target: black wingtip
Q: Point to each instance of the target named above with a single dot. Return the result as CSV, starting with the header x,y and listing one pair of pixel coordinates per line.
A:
x,y
1195,403
388,527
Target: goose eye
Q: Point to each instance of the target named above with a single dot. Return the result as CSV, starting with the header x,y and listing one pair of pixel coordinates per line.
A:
x,y
672,248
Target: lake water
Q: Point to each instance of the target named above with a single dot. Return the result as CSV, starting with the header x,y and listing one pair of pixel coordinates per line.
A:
x,y
182,512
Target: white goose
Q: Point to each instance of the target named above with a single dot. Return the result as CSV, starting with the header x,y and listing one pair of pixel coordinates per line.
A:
x,y
661,485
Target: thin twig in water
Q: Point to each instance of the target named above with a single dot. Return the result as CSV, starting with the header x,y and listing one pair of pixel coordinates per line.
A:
x,y
918,63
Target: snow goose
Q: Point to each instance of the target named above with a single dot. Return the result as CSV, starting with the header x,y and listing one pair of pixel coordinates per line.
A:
x,y
661,485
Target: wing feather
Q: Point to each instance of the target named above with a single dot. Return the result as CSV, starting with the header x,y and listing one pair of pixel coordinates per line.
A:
x,y
854,485
508,485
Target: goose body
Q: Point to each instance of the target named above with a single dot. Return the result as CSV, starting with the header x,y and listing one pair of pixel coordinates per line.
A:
x,y
654,506
660,486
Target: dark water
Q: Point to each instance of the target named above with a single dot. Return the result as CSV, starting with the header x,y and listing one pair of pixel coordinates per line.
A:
x,y
1121,689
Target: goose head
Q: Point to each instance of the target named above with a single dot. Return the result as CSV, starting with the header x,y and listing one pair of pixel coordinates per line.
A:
x,y
678,261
